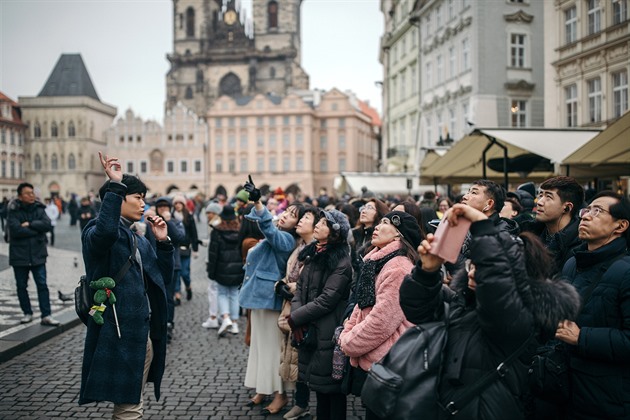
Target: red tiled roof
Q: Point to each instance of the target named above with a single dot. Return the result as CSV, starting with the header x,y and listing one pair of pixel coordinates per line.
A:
x,y
15,111
370,112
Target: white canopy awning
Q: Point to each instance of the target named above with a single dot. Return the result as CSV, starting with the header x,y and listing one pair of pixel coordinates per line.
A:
x,y
378,183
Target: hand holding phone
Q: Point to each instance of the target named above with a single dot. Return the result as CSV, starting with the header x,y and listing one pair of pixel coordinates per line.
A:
x,y
448,239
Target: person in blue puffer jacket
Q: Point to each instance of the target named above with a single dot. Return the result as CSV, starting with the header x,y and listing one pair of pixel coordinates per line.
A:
x,y
264,266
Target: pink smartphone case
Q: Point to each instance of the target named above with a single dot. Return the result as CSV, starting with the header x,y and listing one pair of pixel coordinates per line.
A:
x,y
449,239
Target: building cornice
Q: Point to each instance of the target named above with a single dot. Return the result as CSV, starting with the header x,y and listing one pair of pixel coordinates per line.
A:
x,y
448,95
448,33
519,17
522,85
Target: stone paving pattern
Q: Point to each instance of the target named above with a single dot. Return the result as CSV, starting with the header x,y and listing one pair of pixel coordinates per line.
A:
x,y
204,374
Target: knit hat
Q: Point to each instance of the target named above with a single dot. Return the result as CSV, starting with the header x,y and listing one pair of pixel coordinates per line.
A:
x,y
243,196
228,213
278,194
214,207
179,199
337,221
407,225
163,201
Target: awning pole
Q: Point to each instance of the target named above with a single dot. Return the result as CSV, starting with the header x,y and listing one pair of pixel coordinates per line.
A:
x,y
492,141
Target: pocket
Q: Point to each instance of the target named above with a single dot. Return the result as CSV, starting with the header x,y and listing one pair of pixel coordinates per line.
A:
x,y
265,288
381,390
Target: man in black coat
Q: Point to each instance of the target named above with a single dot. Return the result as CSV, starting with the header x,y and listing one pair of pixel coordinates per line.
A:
x,y
28,224
598,341
559,200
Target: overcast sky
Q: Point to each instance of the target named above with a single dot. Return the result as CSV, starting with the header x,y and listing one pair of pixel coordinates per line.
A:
x,y
124,45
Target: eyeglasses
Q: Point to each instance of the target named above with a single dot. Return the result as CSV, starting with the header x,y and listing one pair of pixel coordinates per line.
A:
x,y
593,211
366,208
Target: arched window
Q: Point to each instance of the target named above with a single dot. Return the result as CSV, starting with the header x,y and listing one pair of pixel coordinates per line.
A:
x,y
72,163
230,85
71,131
189,93
54,162
37,131
190,22
37,162
54,132
272,14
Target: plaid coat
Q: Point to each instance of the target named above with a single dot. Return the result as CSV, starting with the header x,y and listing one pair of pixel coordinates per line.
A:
x,y
113,367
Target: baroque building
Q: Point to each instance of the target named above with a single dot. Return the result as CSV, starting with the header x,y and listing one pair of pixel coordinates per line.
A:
x,y
588,60
477,64
215,53
66,126
12,136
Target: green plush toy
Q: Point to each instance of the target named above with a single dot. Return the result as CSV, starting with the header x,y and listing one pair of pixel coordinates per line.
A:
x,y
103,293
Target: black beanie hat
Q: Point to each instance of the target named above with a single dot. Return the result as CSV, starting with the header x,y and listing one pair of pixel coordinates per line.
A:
x,y
407,225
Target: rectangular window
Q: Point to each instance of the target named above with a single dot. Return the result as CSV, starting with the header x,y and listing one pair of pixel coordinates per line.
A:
x,y
451,62
183,166
231,141
20,170
129,167
620,11
218,122
323,142
4,169
299,163
620,93
394,90
243,141
323,164
519,113
197,166
430,139
342,164
570,95
231,165
451,123
414,82
170,166
243,164
440,69
12,169
465,54
286,120
342,141
570,25
259,121
143,166
594,90
286,140
342,122
286,163
451,10
218,141
243,121
12,138
260,140
594,17
517,50
298,119
272,140
231,122
4,136
273,164
260,164
438,17
403,85
429,72
218,164
299,140
272,121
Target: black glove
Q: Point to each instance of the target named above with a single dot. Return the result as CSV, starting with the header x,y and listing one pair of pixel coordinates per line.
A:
x,y
254,193
282,290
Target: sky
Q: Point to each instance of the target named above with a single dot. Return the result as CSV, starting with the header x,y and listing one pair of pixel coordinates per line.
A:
x,y
124,45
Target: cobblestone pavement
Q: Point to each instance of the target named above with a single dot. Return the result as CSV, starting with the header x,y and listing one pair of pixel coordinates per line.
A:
x,y
203,379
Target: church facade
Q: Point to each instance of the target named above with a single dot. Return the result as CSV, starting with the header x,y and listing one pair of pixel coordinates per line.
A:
x,y
217,52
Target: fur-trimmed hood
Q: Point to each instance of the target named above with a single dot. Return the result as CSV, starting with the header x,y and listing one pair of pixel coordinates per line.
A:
x,y
549,301
328,258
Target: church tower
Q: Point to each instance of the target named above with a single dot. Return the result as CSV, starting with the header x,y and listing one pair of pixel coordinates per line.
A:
x,y
215,53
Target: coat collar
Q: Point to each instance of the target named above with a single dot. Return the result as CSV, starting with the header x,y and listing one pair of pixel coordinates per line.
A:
x,y
585,259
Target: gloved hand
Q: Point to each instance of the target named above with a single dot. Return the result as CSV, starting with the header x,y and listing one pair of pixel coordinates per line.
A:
x,y
254,193
282,290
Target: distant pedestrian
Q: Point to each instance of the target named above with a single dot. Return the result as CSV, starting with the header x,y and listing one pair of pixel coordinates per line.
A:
x,y
73,210
53,214
28,224
189,247
129,348
86,212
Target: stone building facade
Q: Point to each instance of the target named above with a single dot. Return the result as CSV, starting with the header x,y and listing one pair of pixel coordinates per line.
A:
x,y
12,139
587,60
66,127
215,52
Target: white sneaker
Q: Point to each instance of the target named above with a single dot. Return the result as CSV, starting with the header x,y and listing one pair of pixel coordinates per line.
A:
x,y
50,321
211,323
26,319
296,412
224,327
234,329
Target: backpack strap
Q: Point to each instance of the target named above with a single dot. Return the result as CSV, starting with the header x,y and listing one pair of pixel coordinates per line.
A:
x,y
123,270
453,407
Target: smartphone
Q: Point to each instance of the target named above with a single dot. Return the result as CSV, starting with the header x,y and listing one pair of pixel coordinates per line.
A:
x,y
250,179
449,239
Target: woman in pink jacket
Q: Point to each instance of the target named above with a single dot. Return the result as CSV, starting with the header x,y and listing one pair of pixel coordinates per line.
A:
x,y
377,320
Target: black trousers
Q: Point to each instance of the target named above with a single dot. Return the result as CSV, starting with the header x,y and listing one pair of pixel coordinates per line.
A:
x,y
331,406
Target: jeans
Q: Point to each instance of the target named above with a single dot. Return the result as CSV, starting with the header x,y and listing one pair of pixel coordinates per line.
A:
x,y
212,297
302,394
21,280
227,297
184,274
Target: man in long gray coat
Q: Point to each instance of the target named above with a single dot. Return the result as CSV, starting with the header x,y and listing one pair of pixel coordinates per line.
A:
x,y
129,348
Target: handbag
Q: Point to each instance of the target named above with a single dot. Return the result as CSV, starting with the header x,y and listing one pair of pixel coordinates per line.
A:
x,y
83,294
404,383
